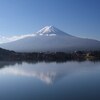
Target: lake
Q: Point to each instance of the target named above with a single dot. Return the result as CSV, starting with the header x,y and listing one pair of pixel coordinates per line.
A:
x,y
70,80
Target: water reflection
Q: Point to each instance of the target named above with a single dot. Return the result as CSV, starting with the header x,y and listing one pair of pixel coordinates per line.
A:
x,y
39,71
49,81
48,73
47,77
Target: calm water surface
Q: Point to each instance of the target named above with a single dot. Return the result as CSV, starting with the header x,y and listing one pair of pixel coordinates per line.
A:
x,y
50,81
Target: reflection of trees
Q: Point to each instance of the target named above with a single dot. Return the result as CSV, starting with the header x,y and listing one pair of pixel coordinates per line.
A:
x,y
11,63
8,63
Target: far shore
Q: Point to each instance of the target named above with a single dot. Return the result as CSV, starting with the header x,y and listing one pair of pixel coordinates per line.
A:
x,y
51,56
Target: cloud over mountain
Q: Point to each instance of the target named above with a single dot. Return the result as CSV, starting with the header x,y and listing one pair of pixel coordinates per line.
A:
x,y
5,39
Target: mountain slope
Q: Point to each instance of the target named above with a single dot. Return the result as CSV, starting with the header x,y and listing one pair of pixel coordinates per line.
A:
x,y
51,39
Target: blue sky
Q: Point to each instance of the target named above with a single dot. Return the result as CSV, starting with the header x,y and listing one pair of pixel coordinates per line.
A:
x,y
76,17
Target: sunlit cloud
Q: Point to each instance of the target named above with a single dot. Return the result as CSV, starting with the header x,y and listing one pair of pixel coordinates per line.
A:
x,y
5,39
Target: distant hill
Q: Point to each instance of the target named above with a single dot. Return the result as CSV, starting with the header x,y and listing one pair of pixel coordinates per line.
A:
x,y
6,54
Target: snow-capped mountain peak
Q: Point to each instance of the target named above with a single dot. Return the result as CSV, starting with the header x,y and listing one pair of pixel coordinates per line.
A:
x,y
51,31
46,29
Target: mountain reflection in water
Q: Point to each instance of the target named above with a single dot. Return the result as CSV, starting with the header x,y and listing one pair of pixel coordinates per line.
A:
x,y
48,73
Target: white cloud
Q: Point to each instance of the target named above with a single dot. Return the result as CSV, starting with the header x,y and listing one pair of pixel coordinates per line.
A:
x,y
4,39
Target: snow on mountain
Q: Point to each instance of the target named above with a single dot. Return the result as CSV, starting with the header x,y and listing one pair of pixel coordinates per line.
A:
x,y
51,31
51,39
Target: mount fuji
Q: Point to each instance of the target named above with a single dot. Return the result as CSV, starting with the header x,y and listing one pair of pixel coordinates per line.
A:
x,y
51,39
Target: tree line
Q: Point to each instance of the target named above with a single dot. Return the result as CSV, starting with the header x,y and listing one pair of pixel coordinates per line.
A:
x,y
50,56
